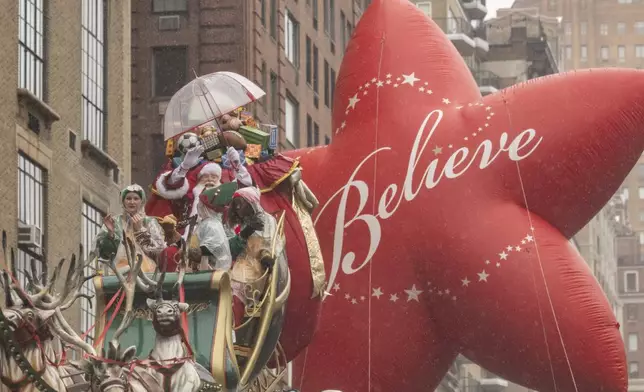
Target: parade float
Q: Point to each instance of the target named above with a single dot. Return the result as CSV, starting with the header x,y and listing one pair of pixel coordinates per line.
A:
x,y
444,220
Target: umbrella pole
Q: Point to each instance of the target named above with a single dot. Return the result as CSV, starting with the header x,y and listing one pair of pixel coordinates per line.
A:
x,y
224,142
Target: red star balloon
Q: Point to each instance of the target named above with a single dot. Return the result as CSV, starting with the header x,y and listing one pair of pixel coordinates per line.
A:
x,y
445,218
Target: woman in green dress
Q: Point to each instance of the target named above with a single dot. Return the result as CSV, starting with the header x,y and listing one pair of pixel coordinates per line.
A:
x,y
145,231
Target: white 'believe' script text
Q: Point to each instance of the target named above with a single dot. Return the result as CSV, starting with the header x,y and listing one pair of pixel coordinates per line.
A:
x,y
524,144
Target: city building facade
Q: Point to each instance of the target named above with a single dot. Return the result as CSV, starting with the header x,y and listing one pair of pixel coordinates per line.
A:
x,y
64,127
292,49
523,45
596,33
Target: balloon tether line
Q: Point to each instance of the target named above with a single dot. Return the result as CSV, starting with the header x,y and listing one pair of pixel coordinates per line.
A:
x,y
543,275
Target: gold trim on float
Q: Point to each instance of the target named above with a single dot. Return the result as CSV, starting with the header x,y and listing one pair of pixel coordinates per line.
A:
x,y
100,309
280,180
267,309
316,262
281,299
222,340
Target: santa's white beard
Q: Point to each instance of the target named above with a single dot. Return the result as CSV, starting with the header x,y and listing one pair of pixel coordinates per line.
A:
x,y
196,192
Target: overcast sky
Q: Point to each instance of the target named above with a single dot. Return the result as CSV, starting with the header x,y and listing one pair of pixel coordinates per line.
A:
x,y
493,5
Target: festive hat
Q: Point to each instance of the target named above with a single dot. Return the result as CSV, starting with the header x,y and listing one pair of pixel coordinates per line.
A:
x,y
219,197
210,168
134,188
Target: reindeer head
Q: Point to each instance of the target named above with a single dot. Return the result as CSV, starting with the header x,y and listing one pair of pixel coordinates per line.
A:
x,y
166,315
110,375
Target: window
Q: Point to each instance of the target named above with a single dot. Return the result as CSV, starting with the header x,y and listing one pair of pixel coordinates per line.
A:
x,y
583,28
603,29
633,369
631,284
169,5
316,73
568,52
93,72
349,31
621,28
316,134
327,92
631,312
327,140
170,70
274,98
262,12
273,27
332,87
329,18
584,53
264,76
309,131
639,51
315,14
292,120
567,28
31,46
625,194
91,223
639,27
309,61
621,53
426,7
31,210
632,342
343,29
292,39
552,5
604,53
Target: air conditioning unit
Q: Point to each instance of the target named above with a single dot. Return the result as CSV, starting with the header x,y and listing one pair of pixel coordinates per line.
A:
x,y
169,22
29,236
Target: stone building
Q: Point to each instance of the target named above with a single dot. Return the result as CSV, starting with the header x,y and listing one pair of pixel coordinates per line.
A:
x,y
64,125
292,49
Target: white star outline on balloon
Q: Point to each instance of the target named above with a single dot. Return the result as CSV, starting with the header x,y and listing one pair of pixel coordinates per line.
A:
x,y
422,87
414,293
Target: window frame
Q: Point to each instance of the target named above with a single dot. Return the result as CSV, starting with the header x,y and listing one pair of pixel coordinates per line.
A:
x,y
295,108
94,224
32,48
172,11
161,49
629,341
94,107
637,281
32,210
291,38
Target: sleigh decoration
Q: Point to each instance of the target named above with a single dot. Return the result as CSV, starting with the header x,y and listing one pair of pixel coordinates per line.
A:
x,y
156,332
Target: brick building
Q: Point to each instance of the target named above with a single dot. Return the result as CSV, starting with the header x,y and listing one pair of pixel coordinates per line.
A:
x,y
64,124
292,49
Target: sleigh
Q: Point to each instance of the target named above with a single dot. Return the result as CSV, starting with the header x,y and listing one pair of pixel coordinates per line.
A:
x,y
235,357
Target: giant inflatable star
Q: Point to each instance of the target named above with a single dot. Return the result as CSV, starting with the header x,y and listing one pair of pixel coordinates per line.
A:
x,y
445,217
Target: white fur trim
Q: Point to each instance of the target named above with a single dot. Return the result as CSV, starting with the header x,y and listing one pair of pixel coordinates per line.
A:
x,y
171,194
210,168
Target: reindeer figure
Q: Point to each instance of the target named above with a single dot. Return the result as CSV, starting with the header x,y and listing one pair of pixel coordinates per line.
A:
x,y
179,376
35,320
115,375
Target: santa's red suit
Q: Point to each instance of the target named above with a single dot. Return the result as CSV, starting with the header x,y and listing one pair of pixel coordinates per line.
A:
x,y
268,176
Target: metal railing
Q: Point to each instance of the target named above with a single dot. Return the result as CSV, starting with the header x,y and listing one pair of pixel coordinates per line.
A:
x,y
455,26
487,78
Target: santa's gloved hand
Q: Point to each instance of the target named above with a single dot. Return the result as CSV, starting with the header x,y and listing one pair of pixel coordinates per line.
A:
x,y
233,157
192,157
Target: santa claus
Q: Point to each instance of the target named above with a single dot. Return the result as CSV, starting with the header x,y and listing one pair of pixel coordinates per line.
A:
x,y
178,189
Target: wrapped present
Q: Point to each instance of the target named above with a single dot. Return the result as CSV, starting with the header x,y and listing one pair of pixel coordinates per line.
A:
x,y
253,151
272,144
254,136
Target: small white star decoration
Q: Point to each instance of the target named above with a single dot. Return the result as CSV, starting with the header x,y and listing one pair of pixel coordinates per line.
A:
x,y
417,292
411,80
